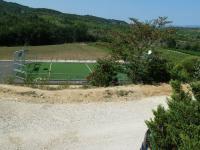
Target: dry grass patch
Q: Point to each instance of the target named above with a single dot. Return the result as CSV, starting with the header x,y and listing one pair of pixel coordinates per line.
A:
x,y
74,94
64,51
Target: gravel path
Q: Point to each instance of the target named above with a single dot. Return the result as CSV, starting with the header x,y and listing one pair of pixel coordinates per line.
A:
x,y
92,126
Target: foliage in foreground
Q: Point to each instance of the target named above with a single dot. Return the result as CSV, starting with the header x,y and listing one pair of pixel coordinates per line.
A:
x,y
178,127
105,73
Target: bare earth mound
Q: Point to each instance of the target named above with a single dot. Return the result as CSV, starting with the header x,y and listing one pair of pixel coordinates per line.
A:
x,y
77,94
38,119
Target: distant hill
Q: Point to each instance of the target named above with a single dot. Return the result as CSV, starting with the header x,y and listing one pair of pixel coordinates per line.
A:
x,y
17,9
192,26
38,26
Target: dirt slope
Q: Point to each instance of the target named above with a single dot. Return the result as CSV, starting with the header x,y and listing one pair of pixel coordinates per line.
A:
x,y
77,94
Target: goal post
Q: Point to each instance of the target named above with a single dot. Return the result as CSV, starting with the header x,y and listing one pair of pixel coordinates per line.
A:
x,y
19,64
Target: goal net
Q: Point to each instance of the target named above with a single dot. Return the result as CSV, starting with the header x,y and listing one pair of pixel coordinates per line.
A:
x,y
20,64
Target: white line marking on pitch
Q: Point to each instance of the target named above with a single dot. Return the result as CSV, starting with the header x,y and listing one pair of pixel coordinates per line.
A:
x,y
50,66
88,67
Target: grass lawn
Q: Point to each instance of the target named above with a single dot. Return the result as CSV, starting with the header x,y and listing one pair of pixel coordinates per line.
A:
x,y
174,56
82,51
72,51
195,53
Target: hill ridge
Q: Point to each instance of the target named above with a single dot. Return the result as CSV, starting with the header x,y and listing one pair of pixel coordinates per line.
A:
x,y
22,25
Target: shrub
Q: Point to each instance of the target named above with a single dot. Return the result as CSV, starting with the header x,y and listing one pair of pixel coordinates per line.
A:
x,y
196,90
105,73
197,70
189,63
187,46
131,46
186,71
170,43
195,47
148,69
178,127
157,69
137,70
191,46
176,86
178,72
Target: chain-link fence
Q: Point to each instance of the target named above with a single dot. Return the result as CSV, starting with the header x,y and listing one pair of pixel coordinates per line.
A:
x,y
56,71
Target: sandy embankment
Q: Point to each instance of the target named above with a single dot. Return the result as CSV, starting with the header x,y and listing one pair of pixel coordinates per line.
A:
x,y
74,94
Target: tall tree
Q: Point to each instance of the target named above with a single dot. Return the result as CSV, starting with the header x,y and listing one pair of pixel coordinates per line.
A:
x,y
136,47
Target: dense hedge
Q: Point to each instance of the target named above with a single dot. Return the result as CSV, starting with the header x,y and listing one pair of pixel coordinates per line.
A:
x,y
178,127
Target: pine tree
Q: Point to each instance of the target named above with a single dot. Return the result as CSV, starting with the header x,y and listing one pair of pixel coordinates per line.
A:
x,y
178,127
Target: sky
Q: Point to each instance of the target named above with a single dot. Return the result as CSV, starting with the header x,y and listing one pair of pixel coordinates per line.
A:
x,y
181,12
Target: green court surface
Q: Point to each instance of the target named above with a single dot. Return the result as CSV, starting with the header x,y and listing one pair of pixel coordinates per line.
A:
x,y
60,71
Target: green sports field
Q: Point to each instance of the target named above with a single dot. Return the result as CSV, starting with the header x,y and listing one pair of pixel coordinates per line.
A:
x,y
61,71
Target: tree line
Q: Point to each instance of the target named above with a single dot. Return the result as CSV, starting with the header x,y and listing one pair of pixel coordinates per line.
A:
x,y
32,30
21,25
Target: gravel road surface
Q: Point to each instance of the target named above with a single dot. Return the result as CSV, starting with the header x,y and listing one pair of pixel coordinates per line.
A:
x,y
81,126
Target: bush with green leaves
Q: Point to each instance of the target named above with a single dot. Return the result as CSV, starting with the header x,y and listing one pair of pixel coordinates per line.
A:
x,y
189,63
148,69
186,71
132,47
137,71
105,73
140,37
196,90
177,127
197,70
178,72
169,43
157,69
188,46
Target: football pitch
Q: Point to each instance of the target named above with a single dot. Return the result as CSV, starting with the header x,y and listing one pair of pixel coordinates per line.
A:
x,y
59,71
62,71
